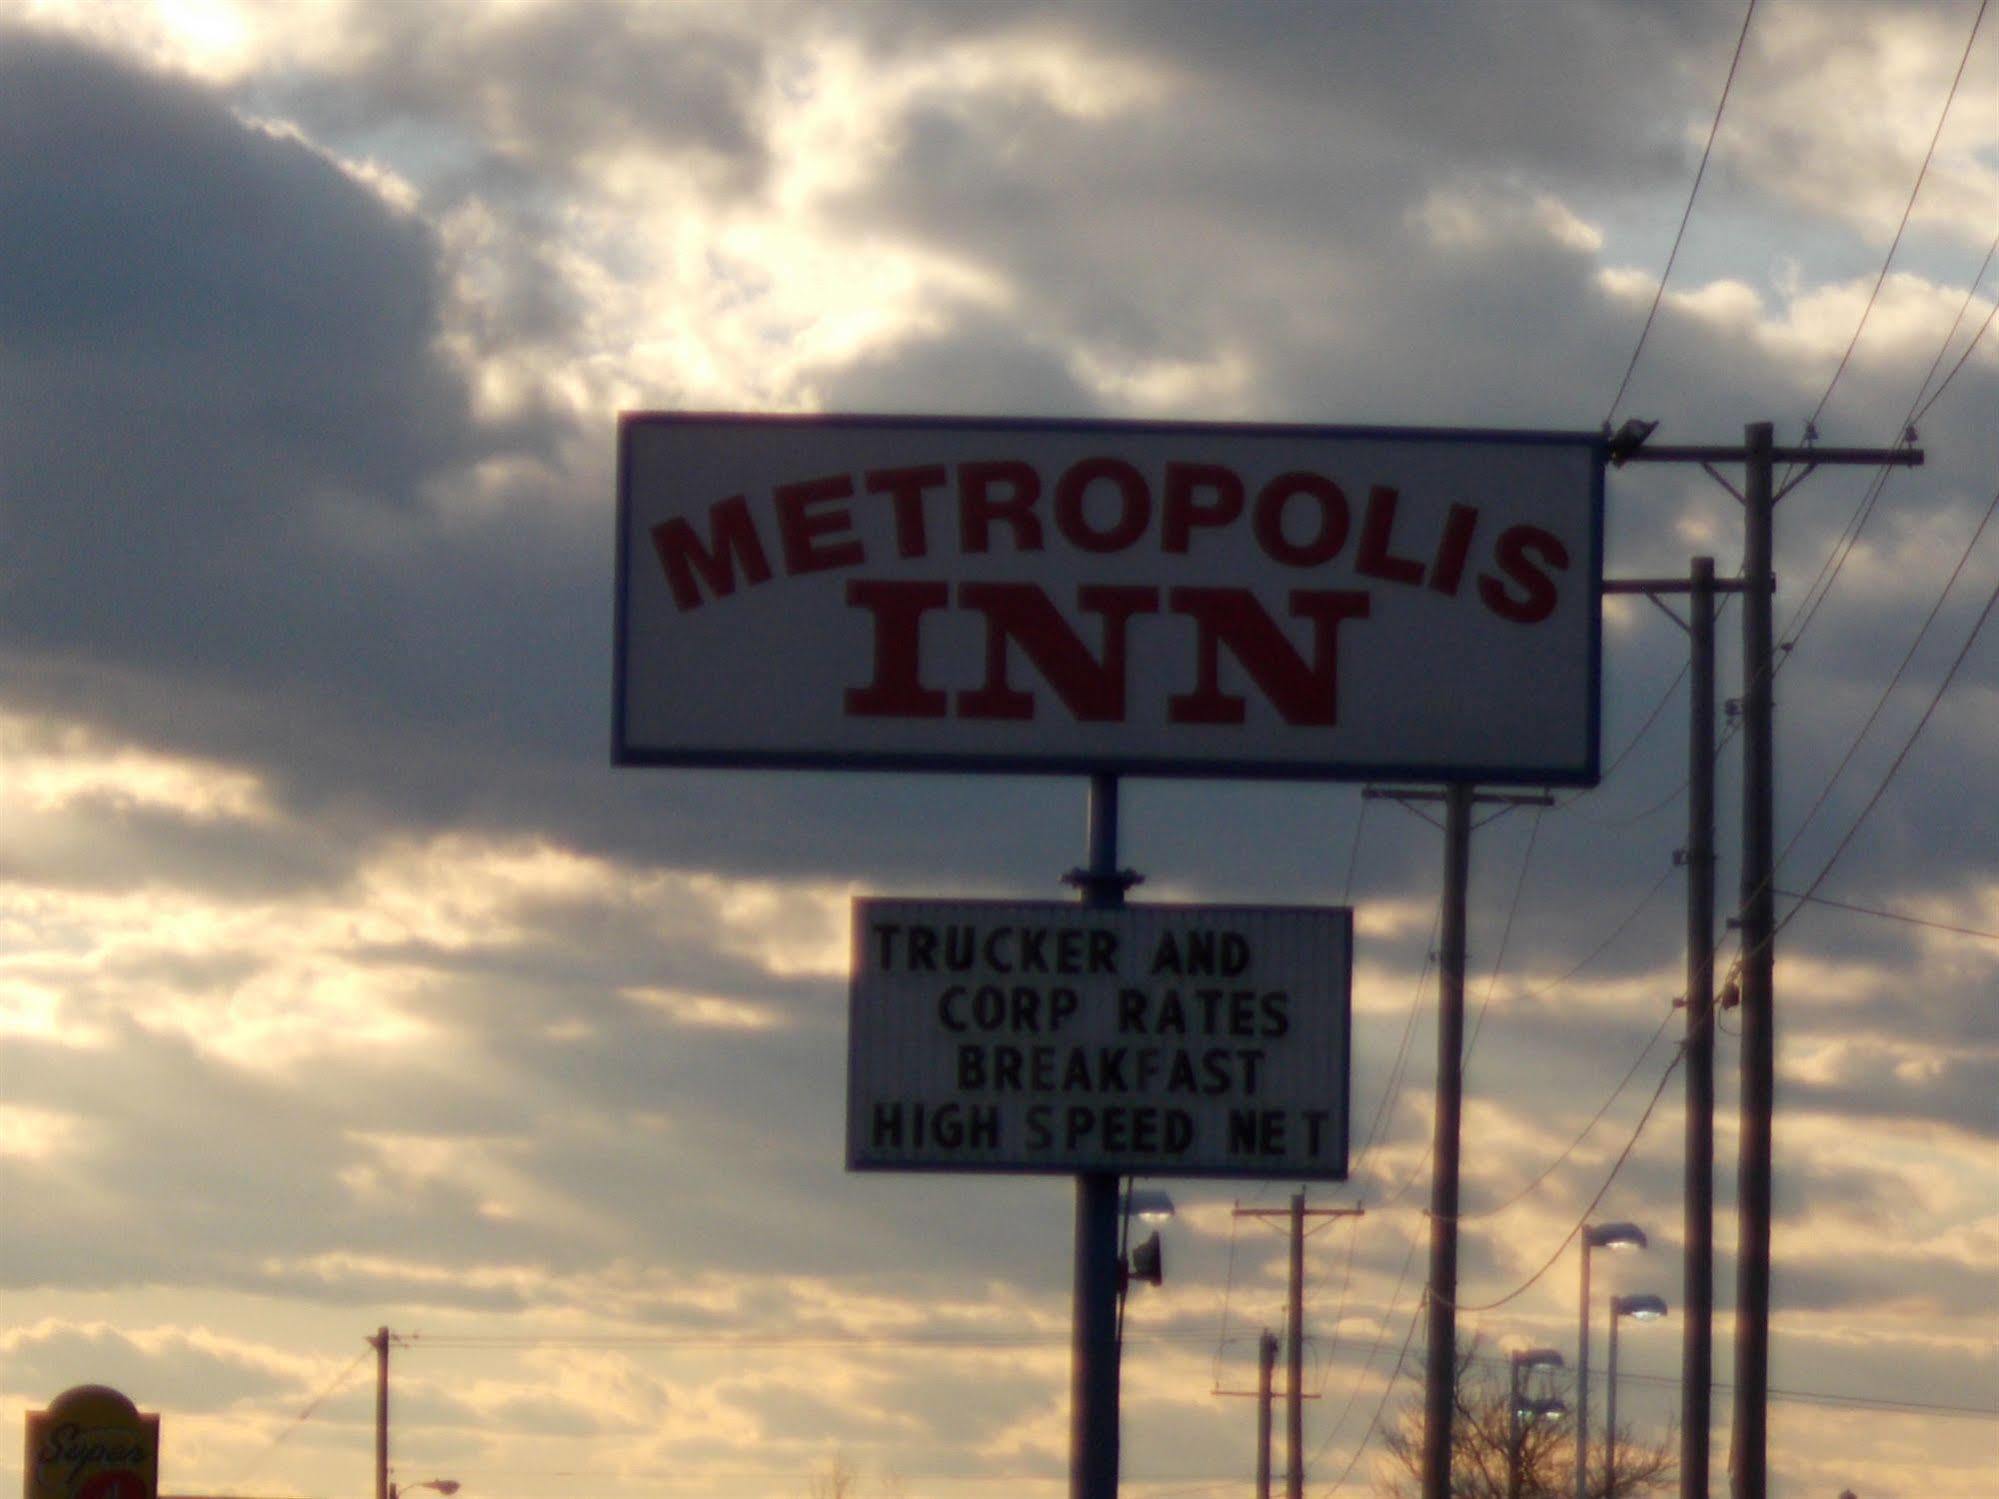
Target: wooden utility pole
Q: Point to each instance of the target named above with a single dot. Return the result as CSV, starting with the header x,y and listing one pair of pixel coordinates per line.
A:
x,y
1697,1270
1697,1339
1294,1331
1756,915
1758,920
381,1345
1440,1357
1266,1364
1294,1361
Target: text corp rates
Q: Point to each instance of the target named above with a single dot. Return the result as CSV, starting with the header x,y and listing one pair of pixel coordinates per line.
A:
x,y
1022,1036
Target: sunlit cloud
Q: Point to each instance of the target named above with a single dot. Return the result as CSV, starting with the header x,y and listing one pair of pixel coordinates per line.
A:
x,y
1470,218
1840,109
704,1011
48,767
37,1136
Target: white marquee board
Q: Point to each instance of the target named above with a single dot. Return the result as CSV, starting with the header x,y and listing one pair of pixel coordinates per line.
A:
x,y
1148,598
1036,1036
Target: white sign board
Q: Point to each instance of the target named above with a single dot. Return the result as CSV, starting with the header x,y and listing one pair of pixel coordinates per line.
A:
x,y
1164,599
1157,1040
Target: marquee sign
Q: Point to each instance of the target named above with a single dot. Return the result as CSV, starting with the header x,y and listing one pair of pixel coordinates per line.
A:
x,y
1164,599
1159,1040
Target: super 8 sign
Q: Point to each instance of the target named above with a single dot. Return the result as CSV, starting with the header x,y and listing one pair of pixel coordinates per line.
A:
x,y
92,1443
1177,599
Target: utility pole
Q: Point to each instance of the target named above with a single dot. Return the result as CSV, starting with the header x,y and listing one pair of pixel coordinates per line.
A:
x,y
1440,1363
1294,1328
1294,1361
1697,1269
381,1345
1440,1358
1756,916
1266,1364
1759,953
1697,1338
1093,1380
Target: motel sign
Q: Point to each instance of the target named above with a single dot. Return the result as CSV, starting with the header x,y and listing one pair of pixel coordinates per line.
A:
x,y
1059,596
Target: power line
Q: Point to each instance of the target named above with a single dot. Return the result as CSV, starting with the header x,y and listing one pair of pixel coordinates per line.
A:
x,y
1228,1295
1873,801
1849,536
1391,1090
1907,209
1387,1394
311,1408
1353,853
1826,1397
1970,293
1380,1336
1937,395
1935,926
1894,681
1713,129
1346,1284
1505,931
1573,1145
1569,1237
855,1342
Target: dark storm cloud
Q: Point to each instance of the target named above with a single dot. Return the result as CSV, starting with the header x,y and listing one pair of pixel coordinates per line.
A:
x,y
218,378
177,287
224,414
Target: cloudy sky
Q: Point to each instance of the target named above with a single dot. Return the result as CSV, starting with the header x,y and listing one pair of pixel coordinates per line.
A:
x,y
346,984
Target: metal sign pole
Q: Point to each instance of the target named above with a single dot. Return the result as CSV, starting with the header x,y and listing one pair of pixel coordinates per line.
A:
x,y
1093,1382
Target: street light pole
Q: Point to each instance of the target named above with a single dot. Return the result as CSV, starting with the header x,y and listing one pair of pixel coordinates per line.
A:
x,y
1518,1406
1582,1383
1595,1236
1610,1418
1643,1308
1513,1431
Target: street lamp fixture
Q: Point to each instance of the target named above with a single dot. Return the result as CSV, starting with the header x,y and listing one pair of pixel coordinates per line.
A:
x,y
1521,1410
1643,1307
442,1485
1614,1236
1147,1205
1144,1262
1595,1236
